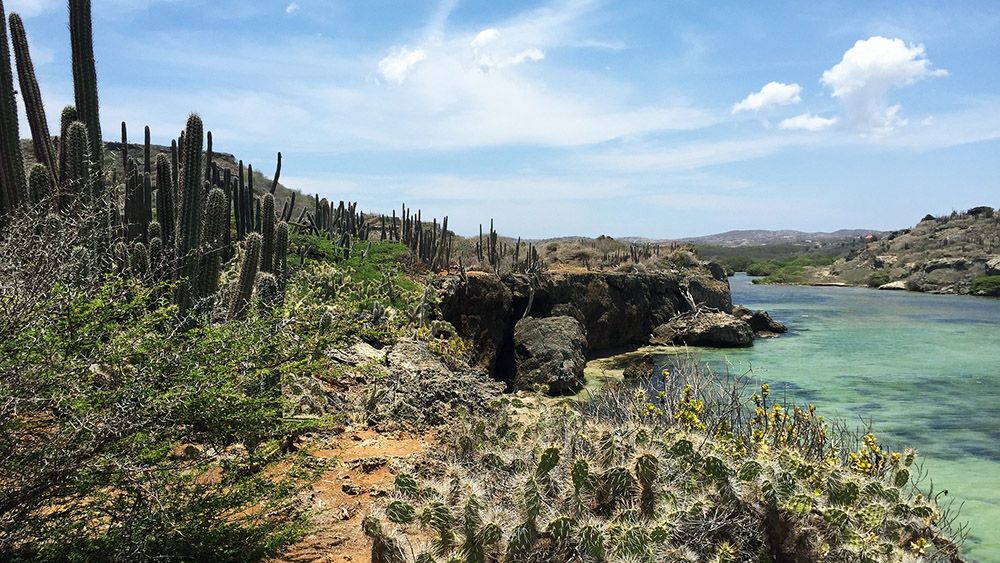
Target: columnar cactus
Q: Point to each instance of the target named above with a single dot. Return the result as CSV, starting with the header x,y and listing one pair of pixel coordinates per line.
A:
x,y
156,256
139,260
189,231
77,169
66,119
248,274
13,185
85,81
41,140
267,293
267,231
281,255
39,183
165,200
134,202
211,258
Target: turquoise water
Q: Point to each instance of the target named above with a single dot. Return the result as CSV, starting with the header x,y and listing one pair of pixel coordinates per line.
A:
x,y
925,369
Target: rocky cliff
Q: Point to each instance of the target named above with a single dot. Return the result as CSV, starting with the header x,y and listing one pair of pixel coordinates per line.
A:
x,y
617,309
939,255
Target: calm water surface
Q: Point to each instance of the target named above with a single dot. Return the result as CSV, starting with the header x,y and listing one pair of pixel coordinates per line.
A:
x,y
925,369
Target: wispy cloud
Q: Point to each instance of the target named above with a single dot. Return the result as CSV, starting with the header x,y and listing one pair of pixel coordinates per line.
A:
x,y
807,122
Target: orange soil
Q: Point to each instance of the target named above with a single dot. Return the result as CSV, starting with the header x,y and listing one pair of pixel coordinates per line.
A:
x,y
366,464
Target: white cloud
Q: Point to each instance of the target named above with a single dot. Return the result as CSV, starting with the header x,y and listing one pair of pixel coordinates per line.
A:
x,y
807,122
292,8
485,37
772,94
868,70
398,64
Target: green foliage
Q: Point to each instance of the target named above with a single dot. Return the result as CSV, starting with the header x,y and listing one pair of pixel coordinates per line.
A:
x,y
125,440
740,258
986,285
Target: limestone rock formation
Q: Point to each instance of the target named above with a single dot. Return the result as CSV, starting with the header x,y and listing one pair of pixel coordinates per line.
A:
x,y
719,330
550,352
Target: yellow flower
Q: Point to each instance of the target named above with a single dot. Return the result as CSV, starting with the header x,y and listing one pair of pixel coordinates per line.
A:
x,y
919,546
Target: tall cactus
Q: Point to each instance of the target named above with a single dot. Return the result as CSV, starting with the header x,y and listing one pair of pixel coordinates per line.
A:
x,y
165,200
189,231
281,255
13,185
267,293
67,118
248,275
39,183
41,140
85,82
267,231
134,214
77,170
211,258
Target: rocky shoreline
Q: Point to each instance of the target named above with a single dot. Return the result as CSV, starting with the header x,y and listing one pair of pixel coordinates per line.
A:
x,y
537,331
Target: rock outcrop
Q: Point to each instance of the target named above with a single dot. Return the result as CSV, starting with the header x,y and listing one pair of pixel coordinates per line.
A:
x,y
423,389
759,321
618,309
480,310
550,352
720,330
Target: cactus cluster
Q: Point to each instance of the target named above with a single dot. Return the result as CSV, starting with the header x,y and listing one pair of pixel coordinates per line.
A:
x,y
493,251
645,486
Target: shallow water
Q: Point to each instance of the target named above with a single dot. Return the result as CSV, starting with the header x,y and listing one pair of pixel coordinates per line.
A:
x,y
923,368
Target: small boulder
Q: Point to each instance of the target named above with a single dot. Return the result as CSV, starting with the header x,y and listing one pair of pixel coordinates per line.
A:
x,y
639,369
993,266
719,330
898,285
550,352
717,270
760,321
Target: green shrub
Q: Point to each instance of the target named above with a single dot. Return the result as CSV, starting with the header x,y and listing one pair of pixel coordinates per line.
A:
x,y
122,438
986,285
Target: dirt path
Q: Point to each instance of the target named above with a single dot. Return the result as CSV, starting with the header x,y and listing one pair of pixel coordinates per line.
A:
x,y
365,469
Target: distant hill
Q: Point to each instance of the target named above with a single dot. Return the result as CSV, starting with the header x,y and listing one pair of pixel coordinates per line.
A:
x,y
764,237
945,254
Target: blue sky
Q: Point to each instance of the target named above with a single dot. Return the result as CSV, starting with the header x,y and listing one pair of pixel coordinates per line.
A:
x,y
646,118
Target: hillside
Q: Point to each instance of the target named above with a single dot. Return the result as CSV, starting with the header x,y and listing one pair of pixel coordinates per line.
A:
x,y
948,254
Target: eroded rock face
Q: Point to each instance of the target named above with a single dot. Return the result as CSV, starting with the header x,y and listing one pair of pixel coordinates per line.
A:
x,y
550,352
617,309
480,310
719,330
